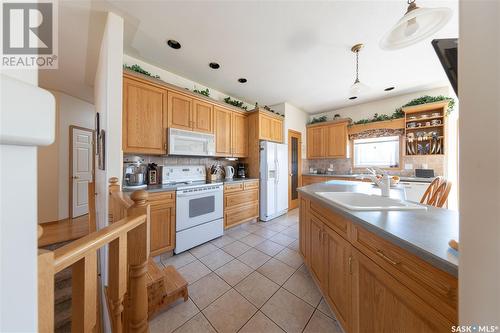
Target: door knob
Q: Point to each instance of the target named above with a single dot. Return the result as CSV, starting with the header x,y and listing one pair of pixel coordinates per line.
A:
x,y
75,177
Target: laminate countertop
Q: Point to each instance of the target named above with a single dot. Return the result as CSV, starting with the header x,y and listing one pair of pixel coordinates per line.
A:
x,y
359,176
425,233
167,188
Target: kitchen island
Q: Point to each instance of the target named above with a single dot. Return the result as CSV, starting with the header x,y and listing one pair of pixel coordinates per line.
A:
x,y
380,271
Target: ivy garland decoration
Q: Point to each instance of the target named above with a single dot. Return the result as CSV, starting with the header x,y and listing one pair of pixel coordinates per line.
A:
x,y
236,103
398,113
139,69
204,92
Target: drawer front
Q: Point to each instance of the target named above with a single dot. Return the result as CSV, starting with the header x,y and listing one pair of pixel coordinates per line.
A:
x,y
251,184
241,214
335,221
435,286
228,188
241,198
159,198
308,180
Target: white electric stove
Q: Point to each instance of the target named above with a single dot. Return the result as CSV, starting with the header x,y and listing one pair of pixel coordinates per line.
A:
x,y
199,206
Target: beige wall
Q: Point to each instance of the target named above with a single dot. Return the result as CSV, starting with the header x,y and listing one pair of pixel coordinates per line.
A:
x,y
53,160
479,126
295,119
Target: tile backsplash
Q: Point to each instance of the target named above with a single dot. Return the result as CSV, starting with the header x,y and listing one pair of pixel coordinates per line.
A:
x,y
344,165
184,160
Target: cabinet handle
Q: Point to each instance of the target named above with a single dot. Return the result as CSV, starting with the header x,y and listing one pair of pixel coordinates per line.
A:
x,y
350,264
382,255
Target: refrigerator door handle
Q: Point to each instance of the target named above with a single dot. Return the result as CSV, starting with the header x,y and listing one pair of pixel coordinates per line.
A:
x,y
277,171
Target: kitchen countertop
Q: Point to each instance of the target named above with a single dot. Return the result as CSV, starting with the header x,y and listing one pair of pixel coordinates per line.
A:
x,y
425,233
239,180
167,188
402,178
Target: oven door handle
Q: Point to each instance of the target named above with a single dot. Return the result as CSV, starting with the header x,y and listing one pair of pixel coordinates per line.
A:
x,y
197,193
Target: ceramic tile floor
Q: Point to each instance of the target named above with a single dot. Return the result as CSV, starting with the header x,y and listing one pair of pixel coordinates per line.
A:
x,y
251,280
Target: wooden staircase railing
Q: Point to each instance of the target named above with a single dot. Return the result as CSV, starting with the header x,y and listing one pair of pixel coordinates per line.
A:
x,y
126,291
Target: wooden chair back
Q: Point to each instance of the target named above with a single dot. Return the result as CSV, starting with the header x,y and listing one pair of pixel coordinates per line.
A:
x,y
441,195
431,190
437,193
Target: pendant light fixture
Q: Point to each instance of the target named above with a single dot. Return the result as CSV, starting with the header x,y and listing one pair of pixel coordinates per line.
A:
x,y
416,24
357,87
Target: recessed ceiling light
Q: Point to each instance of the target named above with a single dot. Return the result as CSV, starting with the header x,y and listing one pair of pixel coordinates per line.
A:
x,y
174,44
214,65
353,97
242,80
388,88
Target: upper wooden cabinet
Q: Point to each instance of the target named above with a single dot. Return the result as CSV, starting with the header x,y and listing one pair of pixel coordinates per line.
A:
x,y
231,133
222,121
269,126
327,140
203,117
189,114
239,135
179,111
144,118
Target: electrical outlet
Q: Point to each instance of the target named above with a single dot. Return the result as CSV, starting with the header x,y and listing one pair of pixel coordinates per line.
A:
x,y
408,166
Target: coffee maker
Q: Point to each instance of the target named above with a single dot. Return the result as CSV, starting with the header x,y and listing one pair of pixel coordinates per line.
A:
x,y
134,172
242,170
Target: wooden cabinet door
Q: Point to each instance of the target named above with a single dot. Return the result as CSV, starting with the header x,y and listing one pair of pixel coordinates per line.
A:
x,y
338,275
266,127
316,248
203,117
179,111
162,228
277,130
303,229
223,131
315,144
144,117
336,140
382,304
239,140
308,180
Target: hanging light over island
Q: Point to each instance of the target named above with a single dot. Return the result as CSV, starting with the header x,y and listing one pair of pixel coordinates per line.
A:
x,y
417,24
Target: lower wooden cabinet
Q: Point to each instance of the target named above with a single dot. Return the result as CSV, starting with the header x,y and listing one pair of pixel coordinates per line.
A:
x,y
371,285
241,202
162,222
383,304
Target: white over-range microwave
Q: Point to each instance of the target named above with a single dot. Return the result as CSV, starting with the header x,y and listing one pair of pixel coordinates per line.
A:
x,y
190,143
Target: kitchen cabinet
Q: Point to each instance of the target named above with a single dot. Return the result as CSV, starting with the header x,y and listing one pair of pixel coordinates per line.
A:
x,y
327,140
338,269
308,180
231,133
223,131
316,248
203,117
241,202
371,284
144,119
239,135
269,126
383,304
162,222
189,114
179,111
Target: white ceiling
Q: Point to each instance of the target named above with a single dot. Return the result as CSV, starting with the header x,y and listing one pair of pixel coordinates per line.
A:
x,y
294,51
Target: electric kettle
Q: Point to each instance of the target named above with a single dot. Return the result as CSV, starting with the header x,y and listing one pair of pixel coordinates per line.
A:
x,y
229,170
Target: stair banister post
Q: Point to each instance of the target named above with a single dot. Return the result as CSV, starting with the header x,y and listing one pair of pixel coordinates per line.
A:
x,y
138,253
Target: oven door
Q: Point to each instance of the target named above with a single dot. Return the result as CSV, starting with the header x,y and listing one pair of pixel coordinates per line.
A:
x,y
195,207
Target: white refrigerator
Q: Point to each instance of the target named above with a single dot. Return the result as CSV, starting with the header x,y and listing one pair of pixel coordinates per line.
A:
x,y
273,180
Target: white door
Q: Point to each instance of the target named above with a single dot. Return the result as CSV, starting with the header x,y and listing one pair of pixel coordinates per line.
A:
x,y
82,170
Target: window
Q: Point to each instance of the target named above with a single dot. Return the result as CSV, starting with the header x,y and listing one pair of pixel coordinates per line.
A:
x,y
381,152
